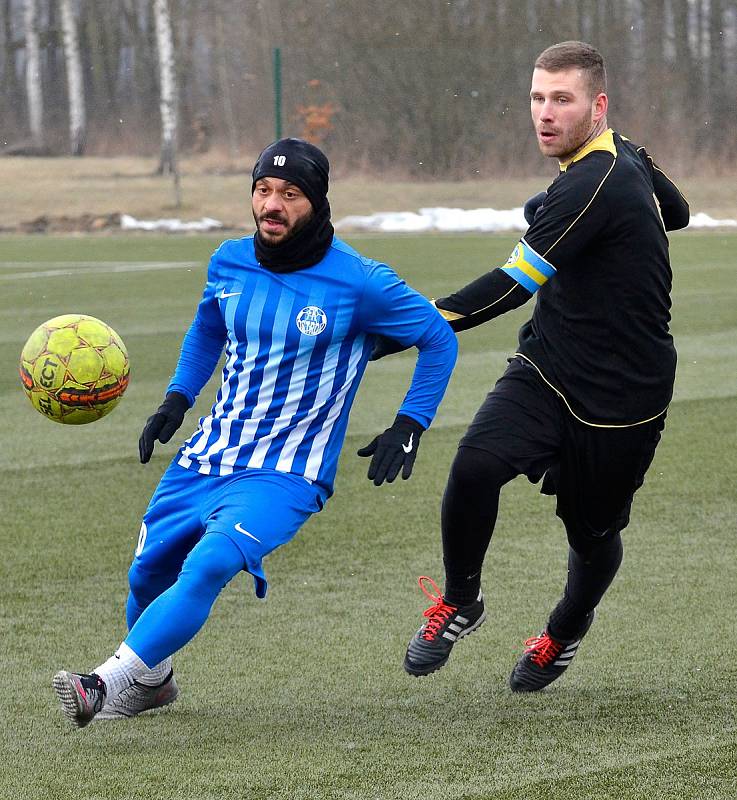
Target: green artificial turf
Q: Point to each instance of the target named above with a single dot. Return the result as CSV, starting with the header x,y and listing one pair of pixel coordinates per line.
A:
x,y
303,696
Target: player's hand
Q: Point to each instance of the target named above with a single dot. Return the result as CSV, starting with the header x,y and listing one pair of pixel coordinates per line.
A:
x,y
532,206
393,450
163,424
384,346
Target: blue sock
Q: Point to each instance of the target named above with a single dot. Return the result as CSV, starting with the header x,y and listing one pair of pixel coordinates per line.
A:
x,y
176,615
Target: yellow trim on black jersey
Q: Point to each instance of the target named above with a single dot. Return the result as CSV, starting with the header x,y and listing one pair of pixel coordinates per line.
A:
x,y
661,171
451,316
573,413
447,315
586,208
604,141
660,212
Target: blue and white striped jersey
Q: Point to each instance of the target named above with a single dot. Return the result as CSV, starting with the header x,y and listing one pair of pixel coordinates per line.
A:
x,y
296,347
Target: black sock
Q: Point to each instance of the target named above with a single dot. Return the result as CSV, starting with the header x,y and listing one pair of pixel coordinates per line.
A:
x,y
589,576
468,515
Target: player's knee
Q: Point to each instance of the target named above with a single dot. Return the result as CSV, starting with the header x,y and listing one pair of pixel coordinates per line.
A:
x,y
144,585
599,552
213,562
478,470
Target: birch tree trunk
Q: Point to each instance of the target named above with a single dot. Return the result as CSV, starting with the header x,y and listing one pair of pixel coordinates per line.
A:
x,y
75,84
167,90
225,86
33,74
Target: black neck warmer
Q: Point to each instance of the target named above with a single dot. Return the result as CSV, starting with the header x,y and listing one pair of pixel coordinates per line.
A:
x,y
304,249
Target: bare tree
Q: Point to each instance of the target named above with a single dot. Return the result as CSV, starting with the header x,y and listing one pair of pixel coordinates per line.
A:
x,y
225,87
33,74
75,84
716,86
167,89
433,89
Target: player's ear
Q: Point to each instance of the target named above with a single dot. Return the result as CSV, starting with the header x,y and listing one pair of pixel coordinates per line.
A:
x,y
600,106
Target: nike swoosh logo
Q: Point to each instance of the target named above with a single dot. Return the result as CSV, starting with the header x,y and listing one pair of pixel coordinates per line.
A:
x,y
242,530
223,294
408,447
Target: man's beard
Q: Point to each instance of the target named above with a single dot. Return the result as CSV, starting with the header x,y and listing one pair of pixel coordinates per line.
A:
x,y
293,231
574,140
303,245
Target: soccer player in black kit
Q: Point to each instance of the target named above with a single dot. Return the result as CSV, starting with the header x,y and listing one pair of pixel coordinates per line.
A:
x,y
583,401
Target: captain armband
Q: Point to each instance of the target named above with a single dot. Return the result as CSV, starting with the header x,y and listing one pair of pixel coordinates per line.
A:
x,y
528,268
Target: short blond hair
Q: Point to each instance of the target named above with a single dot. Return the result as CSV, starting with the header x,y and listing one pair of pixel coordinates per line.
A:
x,y
575,55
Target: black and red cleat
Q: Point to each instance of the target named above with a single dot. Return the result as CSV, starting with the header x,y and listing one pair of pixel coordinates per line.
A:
x,y
430,647
545,659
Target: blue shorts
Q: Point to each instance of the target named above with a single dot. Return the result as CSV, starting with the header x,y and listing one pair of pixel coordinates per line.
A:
x,y
257,509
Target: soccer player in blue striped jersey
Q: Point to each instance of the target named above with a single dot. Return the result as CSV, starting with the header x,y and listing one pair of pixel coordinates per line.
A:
x,y
297,312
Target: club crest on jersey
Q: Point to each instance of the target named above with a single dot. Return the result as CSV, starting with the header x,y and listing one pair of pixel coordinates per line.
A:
x,y
311,320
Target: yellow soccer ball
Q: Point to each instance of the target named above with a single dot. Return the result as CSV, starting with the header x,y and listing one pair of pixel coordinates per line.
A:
x,y
74,369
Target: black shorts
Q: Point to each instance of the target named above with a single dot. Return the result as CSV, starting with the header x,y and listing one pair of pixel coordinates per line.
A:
x,y
594,472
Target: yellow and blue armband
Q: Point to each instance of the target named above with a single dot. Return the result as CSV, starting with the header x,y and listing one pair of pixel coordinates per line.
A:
x,y
528,268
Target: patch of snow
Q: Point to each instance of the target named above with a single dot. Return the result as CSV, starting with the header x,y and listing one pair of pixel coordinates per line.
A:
x,y
129,223
459,220
702,220
439,219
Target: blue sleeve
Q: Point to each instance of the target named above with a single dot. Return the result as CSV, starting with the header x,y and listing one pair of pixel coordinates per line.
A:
x,y
392,308
201,347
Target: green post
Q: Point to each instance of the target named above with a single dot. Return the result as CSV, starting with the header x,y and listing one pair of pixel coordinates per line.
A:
x,y
277,92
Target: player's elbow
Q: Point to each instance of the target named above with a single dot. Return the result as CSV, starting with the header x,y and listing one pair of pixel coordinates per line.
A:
x,y
452,347
679,217
675,212
441,342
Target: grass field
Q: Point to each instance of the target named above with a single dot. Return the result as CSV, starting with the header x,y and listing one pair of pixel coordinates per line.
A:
x,y
303,696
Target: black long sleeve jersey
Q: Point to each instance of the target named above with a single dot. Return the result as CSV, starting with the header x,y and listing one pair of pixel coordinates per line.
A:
x,y
596,256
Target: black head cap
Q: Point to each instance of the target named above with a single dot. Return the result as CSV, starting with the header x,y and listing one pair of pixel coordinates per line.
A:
x,y
298,162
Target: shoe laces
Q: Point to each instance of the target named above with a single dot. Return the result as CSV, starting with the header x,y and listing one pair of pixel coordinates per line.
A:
x,y
543,649
438,613
93,682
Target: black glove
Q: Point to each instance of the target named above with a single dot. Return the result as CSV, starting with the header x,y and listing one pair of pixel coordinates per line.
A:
x,y
393,450
384,346
533,206
163,424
